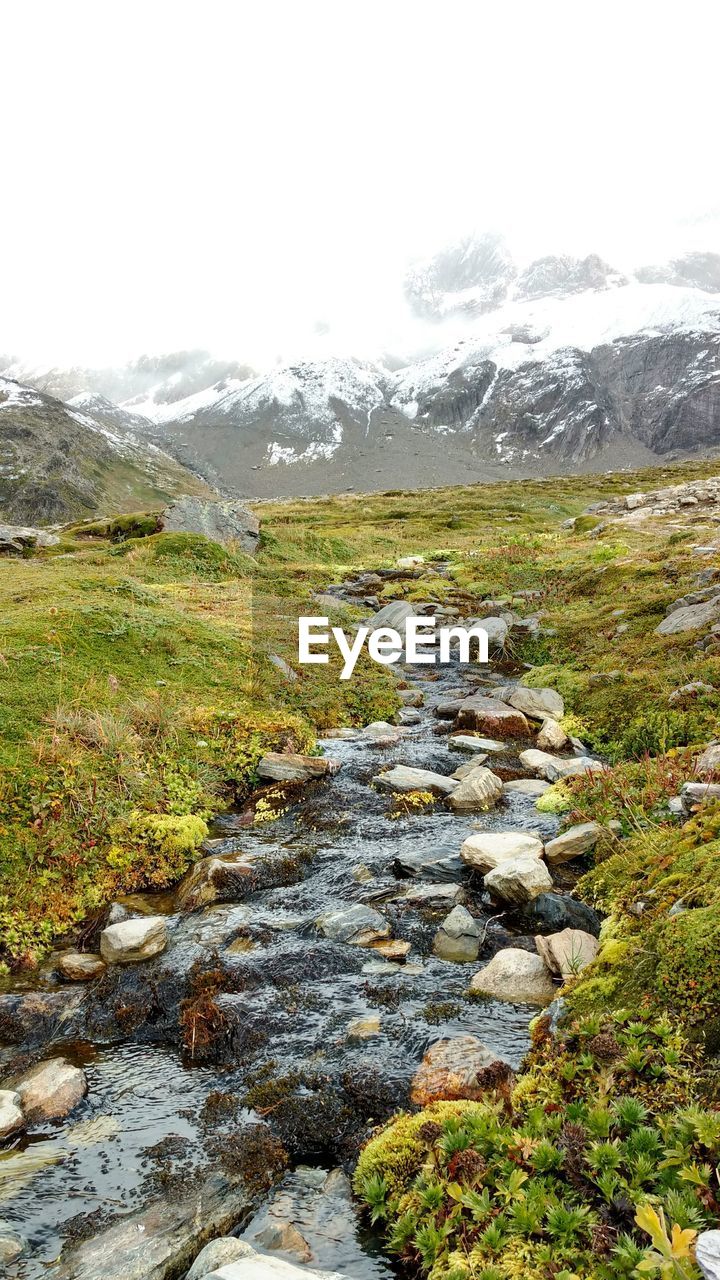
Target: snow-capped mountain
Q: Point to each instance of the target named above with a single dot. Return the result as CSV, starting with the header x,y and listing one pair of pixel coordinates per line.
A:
x,y
59,462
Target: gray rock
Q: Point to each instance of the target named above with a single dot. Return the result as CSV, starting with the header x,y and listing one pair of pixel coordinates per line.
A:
x,y
476,793
133,940
11,1116
690,618
687,693
222,522
708,763
533,787
408,716
567,952
518,880
707,1254
17,538
464,770
434,896
393,615
470,745
278,766
515,975
217,1254
552,768
354,924
497,631
552,737
403,778
692,793
411,697
458,938
283,667
488,849
264,1267
51,1089
572,843
430,866
539,704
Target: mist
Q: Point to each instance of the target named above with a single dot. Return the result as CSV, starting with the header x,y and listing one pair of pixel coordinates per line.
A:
x,y
256,180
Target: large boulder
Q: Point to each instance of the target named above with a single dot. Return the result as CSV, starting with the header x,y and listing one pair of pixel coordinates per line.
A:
x,y
11,1116
403,778
492,717
567,952
572,843
458,938
51,1089
476,793
278,766
224,522
515,975
133,940
518,880
690,618
538,704
355,924
488,849
450,1070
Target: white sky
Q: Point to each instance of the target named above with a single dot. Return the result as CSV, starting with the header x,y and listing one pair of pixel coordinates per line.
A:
x,y
226,174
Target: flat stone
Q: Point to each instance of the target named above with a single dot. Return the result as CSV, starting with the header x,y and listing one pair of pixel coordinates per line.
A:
x,y
285,767
539,704
51,1089
356,924
567,952
429,865
480,791
364,1028
552,737
458,938
469,767
396,949
518,880
690,618
131,941
434,896
488,849
404,778
492,717
515,975
526,787
11,1116
463,742
572,843
449,1070
80,966
217,1254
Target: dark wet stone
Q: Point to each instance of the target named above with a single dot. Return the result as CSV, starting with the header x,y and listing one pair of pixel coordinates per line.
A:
x,y
551,912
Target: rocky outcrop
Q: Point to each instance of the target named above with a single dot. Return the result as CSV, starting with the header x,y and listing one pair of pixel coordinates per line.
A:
x,y
224,522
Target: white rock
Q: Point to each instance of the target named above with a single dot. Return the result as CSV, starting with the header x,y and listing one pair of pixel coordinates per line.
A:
x,y
553,767
410,562
478,792
526,787
707,1254
393,615
567,952
572,843
519,976
488,849
260,1267
404,778
133,940
552,737
519,880
539,704
497,631
217,1254
51,1089
690,617
11,1116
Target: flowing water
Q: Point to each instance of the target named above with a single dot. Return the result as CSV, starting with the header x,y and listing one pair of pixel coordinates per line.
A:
x,y
153,1122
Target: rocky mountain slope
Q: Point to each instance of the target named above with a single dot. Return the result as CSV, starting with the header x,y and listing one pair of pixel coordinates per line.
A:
x,y
59,462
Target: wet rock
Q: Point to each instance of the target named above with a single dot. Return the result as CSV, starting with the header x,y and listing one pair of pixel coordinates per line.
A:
x,y
552,737
429,865
355,924
518,880
403,778
337,1184
488,849
364,1028
567,952
476,793
407,716
690,618
708,763
11,1116
525,787
448,708
133,940
538,704
35,1017
515,975
553,912
449,1070
492,717
707,1254
471,745
361,874
434,896
51,1090
80,966
222,522
411,697
285,1238
458,938
217,1254
261,1267
572,843
285,767
214,880
395,949
11,1248
382,734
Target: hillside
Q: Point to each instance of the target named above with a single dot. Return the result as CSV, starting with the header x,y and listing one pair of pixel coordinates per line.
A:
x,y
59,462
